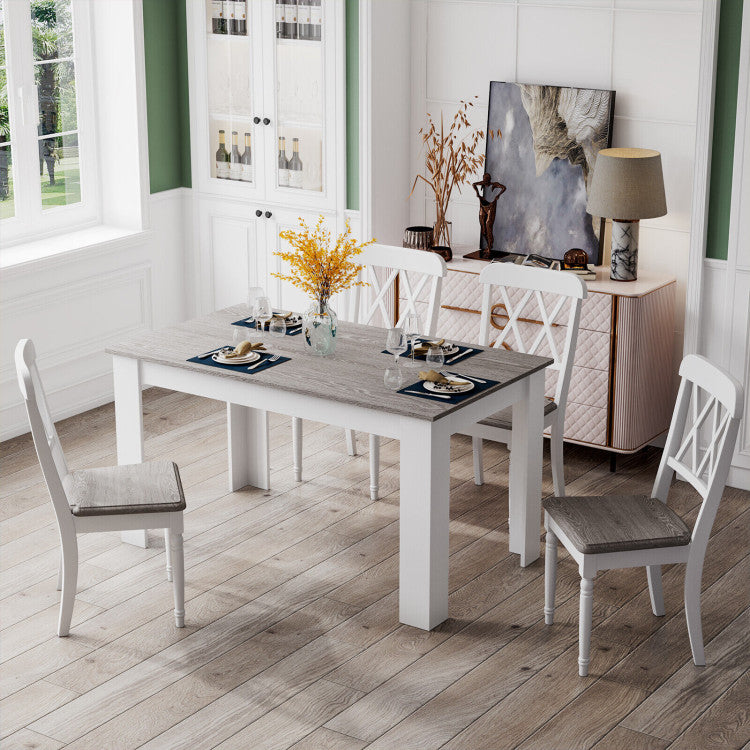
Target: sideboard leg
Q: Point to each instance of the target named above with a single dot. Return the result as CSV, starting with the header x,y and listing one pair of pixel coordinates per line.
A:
x,y
613,462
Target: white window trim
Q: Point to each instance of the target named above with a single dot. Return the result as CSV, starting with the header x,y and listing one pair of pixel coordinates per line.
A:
x,y
30,223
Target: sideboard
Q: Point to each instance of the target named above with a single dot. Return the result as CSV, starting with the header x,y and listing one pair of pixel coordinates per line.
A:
x,y
621,389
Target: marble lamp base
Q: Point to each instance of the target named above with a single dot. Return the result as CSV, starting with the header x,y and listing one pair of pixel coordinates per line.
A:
x,y
624,250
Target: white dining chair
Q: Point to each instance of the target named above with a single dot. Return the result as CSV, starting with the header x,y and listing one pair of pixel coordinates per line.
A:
x,y
541,311
631,531
118,498
418,275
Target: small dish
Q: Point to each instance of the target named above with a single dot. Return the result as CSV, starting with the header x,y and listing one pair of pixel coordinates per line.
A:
x,y
456,385
249,358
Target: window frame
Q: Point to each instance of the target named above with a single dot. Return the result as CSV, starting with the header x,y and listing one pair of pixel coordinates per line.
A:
x,y
30,221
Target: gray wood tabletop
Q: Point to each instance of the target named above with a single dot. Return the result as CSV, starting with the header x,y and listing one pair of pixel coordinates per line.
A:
x,y
353,375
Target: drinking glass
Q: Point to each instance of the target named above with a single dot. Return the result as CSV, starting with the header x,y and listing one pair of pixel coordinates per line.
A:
x,y
253,293
395,343
277,327
435,357
411,328
393,378
263,312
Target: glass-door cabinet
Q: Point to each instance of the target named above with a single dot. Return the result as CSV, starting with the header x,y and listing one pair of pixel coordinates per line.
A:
x,y
267,99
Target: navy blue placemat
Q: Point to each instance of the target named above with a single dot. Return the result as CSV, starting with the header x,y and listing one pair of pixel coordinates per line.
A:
x,y
264,364
420,392
464,352
292,332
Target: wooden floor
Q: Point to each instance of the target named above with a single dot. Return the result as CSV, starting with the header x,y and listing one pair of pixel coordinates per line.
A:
x,y
292,637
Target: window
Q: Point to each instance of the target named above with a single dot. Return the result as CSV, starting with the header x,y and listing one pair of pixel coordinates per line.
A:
x,y
47,179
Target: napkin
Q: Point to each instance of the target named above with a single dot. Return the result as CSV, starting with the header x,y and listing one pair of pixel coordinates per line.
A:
x,y
243,348
424,346
433,377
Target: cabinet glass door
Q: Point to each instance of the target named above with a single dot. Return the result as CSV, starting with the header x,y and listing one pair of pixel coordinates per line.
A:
x,y
229,68
300,51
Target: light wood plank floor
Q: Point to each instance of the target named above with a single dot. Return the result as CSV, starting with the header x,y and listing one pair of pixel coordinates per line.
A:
x,y
292,637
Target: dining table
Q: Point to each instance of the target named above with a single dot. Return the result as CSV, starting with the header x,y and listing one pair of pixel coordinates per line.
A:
x,y
347,389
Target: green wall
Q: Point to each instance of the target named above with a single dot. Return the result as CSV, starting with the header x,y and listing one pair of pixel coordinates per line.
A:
x,y
725,113
165,42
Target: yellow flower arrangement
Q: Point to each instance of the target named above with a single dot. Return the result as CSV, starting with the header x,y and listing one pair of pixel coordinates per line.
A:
x,y
315,266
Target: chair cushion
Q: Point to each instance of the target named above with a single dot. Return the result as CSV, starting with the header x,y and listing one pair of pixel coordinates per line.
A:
x,y
504,419
617,523
151,487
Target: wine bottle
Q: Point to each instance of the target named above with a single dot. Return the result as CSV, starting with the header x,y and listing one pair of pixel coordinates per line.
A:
x,y
222,159
303,20
241,16
316,19
295,166
218,19
283,163
231,18
291,19
235,159
247,161
281,19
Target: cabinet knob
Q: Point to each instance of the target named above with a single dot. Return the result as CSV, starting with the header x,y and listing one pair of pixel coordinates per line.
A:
x,y
259,213
256,120
266,121
268,214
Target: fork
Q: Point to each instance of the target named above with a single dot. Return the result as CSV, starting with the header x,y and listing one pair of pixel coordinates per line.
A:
x,y
258,364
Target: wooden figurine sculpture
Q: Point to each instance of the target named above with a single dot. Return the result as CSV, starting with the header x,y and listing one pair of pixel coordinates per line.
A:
x,y
487,209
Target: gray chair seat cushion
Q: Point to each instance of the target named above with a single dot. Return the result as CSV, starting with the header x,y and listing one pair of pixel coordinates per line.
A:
x,y
617,523
151,487
504,419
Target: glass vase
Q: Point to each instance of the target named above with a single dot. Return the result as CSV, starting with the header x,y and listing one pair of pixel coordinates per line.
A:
x,y
319,329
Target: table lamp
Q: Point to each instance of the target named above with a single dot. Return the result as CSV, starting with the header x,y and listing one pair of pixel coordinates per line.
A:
x,y
627,186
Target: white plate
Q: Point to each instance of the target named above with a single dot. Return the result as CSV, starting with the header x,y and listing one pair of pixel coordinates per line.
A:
x,y
456,385
447,349
246,360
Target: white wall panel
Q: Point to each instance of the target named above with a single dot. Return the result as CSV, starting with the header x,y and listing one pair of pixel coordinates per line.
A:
x,y
468,44
564,46
655,62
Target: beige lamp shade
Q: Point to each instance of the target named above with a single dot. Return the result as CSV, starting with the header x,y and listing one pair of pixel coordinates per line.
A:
x,y
627,185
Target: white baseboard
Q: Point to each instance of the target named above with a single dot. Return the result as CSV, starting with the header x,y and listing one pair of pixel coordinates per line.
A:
x,y
739,477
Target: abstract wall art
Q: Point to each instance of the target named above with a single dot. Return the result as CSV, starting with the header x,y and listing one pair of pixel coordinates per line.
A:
x,y
545,157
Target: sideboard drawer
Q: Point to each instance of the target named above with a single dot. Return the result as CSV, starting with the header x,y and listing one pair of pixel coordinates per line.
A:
x,y
587,424
596,312
589,387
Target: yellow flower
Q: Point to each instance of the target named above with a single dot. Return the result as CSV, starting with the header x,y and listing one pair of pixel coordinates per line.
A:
x,y
317,268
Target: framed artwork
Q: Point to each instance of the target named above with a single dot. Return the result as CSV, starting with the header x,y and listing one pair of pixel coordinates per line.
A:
x,y
545,159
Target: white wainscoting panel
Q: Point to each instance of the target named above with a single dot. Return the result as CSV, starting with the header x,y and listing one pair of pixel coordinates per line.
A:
x,y
72,304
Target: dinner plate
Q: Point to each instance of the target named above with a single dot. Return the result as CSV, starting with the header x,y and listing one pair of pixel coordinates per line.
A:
x,y
457,385
447,349
246,360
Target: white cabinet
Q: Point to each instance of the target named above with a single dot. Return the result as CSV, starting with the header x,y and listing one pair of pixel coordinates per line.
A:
x,y
279,84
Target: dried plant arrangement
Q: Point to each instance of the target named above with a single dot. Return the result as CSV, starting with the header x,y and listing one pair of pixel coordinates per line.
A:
x,y
451,160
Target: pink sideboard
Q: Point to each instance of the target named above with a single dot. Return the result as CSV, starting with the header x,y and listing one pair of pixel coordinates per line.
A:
x,y
620,395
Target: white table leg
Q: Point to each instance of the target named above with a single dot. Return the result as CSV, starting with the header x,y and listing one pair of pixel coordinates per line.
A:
x,y
247,430
424,511
129,424
525,486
